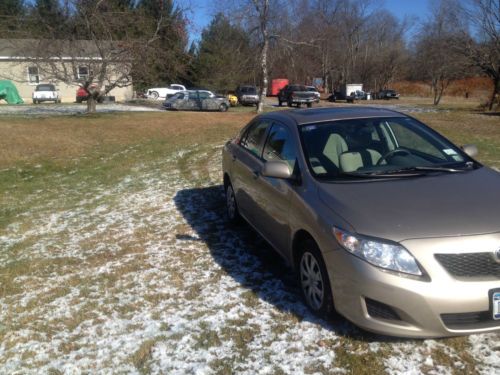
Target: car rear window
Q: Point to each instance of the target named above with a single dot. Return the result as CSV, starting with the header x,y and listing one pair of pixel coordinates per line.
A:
x,y
45,88
249,90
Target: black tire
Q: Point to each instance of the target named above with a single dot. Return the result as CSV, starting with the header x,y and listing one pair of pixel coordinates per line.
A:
x,y
316,293
34,101
299,105
223,108
309,105
233,214
289,103
280,103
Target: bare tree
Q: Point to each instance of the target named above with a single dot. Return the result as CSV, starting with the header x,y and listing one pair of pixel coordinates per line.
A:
x,y
107,39
262,15
484,51
258,17
436,58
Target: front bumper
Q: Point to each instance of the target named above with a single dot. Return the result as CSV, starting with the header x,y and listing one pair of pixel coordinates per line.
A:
x,y
303,100
249,100
46,99
439,307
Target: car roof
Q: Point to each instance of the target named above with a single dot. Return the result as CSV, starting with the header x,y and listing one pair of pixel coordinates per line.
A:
x,y
308,116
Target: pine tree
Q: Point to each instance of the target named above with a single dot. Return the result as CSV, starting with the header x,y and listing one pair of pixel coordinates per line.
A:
x,y
11,13
166,63
224,58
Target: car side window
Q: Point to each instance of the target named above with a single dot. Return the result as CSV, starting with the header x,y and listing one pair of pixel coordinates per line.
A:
x,y
204,95
279,146
193,96
253,140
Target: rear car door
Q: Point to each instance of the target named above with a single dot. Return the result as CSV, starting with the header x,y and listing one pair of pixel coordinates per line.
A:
x,y
206,102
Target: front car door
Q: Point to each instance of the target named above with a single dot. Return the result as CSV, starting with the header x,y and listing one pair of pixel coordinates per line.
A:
x,y
274,194
193,102
247,164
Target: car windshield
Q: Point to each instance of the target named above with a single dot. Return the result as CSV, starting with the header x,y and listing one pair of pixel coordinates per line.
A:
x,y
375,147
311,89
298,88
45,88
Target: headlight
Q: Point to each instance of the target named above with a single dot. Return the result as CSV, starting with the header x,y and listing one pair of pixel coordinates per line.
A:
x,y
381,254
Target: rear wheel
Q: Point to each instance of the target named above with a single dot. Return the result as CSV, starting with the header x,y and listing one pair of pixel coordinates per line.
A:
x,y
155,95
313,279
223,108
280,103
309,105
289,103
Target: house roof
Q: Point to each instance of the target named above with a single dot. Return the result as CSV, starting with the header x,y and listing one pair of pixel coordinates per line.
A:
x,y
15,49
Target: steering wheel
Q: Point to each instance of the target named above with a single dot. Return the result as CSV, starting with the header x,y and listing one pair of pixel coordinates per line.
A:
x,y
392,153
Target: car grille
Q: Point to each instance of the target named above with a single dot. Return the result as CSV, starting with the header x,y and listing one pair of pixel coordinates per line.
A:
x,y
470,264
471,320
380,310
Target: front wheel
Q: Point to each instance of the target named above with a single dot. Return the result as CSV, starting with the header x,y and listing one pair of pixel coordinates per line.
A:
x,y
313,279
155,95
309,105
223,108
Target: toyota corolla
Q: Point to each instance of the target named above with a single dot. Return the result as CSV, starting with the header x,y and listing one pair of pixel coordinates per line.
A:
x,y
382,218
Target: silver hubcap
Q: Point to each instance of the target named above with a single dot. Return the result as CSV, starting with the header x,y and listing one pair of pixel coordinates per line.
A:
x,y
230,203
311,280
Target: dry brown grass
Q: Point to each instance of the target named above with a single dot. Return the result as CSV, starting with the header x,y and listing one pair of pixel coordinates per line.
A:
x,y
59,138
475,86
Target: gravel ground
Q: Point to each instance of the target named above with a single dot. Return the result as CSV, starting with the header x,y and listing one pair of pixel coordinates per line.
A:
x,y
154,106
69,109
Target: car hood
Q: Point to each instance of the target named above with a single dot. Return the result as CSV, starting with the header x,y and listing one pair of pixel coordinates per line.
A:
x,y
436,205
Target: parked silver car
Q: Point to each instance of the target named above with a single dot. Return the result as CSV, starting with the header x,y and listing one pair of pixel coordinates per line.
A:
x,y
381,217
197,100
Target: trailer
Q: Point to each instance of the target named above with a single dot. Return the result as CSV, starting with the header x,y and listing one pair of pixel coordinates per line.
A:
x,y
348,92
350,89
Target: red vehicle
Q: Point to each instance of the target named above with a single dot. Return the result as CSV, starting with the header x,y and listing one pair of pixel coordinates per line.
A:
x,y
81,94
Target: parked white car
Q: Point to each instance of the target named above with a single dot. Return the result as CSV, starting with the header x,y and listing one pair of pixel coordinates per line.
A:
x,y
46,92
164,92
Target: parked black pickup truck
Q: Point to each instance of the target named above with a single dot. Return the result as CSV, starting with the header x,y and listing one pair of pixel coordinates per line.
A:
x,y
296,94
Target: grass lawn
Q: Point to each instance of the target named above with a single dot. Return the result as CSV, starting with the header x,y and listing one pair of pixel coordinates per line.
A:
x,y
115,257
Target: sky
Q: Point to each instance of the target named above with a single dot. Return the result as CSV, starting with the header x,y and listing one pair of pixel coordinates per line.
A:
x,y
200,12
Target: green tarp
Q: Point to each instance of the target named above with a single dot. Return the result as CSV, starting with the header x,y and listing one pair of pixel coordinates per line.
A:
x,y
8,92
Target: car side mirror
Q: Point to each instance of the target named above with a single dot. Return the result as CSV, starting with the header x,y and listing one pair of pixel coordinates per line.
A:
x,y
277,169
470,150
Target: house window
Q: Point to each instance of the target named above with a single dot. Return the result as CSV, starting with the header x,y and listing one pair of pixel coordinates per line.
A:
x,y
33,76
83,73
